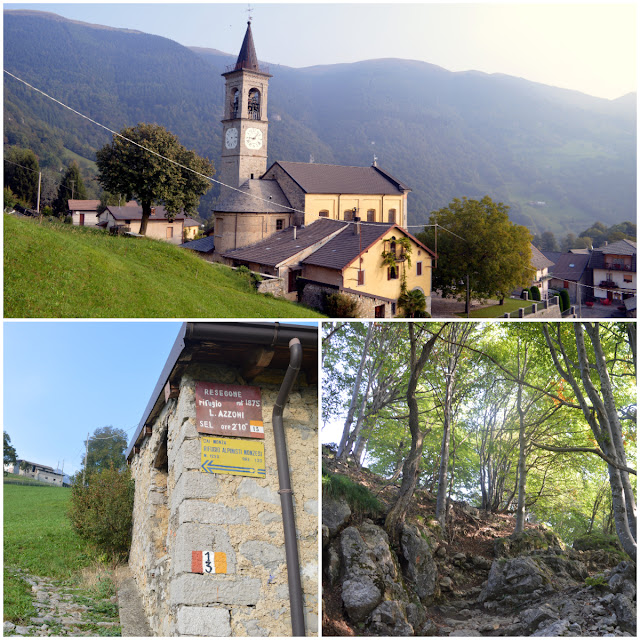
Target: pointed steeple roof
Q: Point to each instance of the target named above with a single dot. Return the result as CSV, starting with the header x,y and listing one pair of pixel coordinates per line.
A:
x,y
247,59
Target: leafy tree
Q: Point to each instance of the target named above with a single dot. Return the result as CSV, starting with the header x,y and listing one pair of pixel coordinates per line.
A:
x,y
70,187
482,243
101,510
129,169
8,451
568,242
9,200
106,448
21,170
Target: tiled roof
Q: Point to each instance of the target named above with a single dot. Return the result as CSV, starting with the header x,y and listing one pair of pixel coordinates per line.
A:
x,y
538,260
84,205
569,266
282,245
330,178
131,212
620,248
254,196
203,245
342,250
190,222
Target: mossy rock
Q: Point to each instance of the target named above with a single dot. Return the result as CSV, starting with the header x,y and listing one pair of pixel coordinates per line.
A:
x,y
597,542
526,542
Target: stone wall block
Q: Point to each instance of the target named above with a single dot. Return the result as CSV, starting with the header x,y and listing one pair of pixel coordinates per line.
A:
x,y
187,457
209,513
199,537
264,554
195,588
194,484
204,621
267,517
249,488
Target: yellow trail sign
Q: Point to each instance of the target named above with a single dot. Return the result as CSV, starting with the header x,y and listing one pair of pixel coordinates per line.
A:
x,y
234,456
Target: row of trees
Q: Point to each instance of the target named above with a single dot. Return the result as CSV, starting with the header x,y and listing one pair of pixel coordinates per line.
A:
x,y
595,236
519,418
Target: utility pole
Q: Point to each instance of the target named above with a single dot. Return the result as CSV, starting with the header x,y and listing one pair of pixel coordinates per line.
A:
x,y
39,183
86,455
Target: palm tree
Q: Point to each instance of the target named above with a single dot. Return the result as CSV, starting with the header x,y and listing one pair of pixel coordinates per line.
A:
x,y
414,303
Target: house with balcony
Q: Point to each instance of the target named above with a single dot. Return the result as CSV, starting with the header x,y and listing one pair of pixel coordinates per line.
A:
x,y
614,271
540,266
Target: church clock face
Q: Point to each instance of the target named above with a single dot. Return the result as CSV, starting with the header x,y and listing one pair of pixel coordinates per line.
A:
x,y
253,138
231,138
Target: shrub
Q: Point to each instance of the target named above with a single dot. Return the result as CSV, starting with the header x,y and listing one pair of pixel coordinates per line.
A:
x,y
360,499
565,301
339,305
101,510
535,293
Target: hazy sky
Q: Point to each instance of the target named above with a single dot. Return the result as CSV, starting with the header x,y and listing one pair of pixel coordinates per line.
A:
x,y
63,380
587,47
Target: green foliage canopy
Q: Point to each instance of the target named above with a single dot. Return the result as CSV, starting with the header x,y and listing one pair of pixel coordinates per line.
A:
x,y
139,170
8,450
21,169
105,450
71,186
480,241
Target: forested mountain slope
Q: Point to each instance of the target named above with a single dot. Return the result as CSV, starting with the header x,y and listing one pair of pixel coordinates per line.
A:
x,y
473,433
445,134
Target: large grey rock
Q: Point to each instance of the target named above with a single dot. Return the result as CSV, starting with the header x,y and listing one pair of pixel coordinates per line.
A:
x,y
388,619
531,618
623,579
263,553
419,566
514,577
335,514
360,597
558,628
625,612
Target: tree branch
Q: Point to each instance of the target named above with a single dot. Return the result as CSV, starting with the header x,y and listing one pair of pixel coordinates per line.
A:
x,y
597,451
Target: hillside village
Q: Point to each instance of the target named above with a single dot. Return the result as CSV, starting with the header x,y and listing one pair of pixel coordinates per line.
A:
x,y
336,238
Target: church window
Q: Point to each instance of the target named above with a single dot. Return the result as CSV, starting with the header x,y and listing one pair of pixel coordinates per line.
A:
x,y
235,105
279,224
361,277
418,268
371,215
392,216
324,213
348,214
254,104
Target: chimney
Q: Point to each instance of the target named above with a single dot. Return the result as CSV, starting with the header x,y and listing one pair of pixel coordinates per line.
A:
x,y
356,226
295,233
153,211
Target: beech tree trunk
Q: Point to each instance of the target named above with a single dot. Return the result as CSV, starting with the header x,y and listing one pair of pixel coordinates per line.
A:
x,y
522,445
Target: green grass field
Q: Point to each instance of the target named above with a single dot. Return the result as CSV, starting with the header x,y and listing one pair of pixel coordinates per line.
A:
x,y
57,270
497,311
39,539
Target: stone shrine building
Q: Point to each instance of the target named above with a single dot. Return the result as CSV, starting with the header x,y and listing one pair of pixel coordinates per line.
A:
x,y
208,553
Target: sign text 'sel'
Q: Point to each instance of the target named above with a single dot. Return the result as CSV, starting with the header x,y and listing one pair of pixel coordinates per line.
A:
x,y
229,410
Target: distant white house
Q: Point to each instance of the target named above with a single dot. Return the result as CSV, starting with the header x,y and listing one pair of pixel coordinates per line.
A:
x,y
36,471
84,213
614,270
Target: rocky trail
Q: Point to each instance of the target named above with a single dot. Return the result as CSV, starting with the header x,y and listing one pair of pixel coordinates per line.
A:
x,y
63,611
479,580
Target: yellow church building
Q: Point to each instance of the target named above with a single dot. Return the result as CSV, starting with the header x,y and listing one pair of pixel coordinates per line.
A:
x,y
318,228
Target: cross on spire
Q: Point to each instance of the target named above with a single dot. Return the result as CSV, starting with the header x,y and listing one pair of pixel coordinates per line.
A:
x,y
249,10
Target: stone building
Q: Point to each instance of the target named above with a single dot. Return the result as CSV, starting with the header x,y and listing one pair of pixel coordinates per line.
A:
x,y
208,551
295,197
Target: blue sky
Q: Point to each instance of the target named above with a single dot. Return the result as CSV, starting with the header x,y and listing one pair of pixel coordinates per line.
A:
x,y
63,380
590,47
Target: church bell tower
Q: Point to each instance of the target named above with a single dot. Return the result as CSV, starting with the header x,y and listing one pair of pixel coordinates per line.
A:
x,y
245,124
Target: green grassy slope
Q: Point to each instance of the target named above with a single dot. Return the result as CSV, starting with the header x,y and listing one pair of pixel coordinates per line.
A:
x,y
55,270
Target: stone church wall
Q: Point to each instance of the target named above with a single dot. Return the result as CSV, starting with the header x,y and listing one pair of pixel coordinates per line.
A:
x,y
294,193
179,509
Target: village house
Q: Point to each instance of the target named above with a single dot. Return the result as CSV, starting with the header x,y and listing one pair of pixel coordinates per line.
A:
x,y
541,265
84,213
614,269
570,271
319,228
40,472
129,218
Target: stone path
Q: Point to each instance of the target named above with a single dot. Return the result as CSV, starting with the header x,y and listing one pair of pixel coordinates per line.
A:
x,y
58,613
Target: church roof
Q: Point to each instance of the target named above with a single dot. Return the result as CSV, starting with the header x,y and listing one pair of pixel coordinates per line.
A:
x,y
283,245
254,196
331,178
247,58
